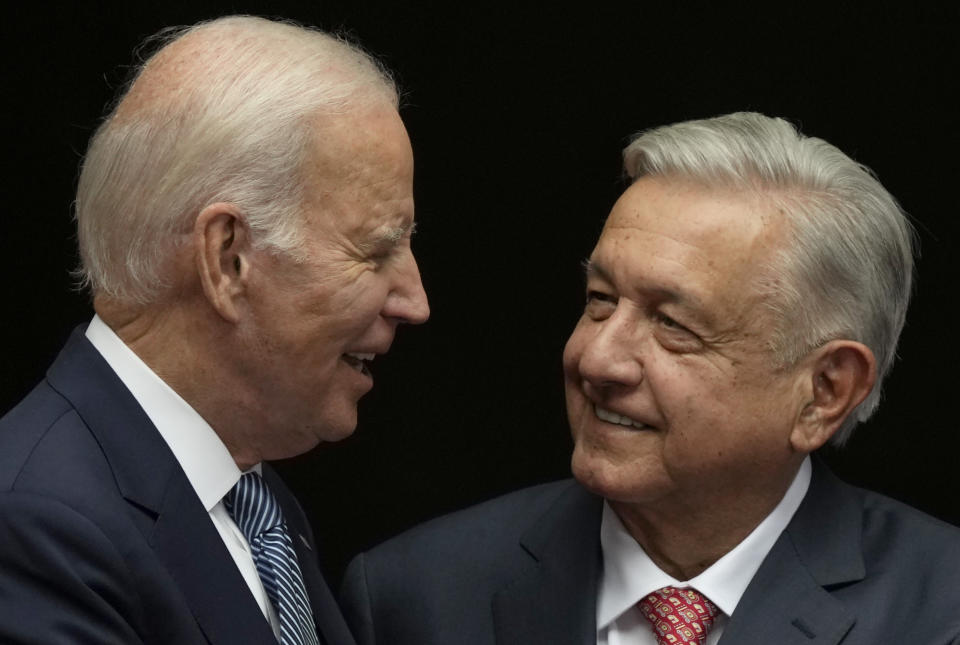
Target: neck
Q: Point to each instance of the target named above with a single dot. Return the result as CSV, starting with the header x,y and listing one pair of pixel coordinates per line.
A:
x,y
684,539
185,353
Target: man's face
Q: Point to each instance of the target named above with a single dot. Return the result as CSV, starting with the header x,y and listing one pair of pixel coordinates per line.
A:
x,y
671,389
316,324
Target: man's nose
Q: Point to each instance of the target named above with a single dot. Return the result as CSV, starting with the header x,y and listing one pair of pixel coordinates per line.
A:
x,y
408,301
611,355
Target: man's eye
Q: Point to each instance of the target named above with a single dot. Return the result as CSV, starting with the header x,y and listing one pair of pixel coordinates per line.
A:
x,y
675,337
670,323
599,296
599,305
382,254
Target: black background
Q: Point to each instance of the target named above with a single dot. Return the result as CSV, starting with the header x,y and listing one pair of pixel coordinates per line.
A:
x,y
517,117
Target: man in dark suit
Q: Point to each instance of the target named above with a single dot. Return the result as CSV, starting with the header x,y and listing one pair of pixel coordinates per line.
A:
x,y
244,217
743,304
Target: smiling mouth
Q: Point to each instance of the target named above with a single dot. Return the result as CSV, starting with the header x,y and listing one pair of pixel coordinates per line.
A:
x,y
619,419
359,361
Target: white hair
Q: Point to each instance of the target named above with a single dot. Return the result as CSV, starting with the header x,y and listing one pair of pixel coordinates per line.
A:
x,y
846,272
224,112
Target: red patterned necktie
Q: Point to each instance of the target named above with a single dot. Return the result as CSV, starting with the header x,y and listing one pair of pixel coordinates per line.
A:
x,y
679,615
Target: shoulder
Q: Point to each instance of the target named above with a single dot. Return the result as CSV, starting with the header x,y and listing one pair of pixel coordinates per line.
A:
x,y
884,529
906,538
497,522
47,448
887,528
899,552
57,487
907,554
42,425
486,543
435,583
56,482
60,511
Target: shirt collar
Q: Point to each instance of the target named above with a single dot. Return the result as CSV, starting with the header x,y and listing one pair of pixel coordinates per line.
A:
x,y
630,575
201,454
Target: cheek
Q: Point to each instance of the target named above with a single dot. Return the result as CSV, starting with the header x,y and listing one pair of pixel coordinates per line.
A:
x,y
370,290
712,422
352,308
693,404
365,313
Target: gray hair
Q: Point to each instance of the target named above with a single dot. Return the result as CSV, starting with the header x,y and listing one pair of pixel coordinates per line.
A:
x,y
227,119
847,271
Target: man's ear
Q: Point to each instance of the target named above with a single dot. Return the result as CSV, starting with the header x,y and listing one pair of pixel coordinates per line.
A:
x,y
843,373
222,249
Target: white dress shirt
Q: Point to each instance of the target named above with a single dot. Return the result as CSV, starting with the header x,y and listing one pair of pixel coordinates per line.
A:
x,y
203,457
629,575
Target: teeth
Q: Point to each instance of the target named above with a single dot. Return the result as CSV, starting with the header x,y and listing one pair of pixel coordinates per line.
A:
x,y
362,357
358,361
613,417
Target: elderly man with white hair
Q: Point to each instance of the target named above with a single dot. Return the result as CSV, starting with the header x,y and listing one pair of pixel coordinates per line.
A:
x,y
743,304
244,217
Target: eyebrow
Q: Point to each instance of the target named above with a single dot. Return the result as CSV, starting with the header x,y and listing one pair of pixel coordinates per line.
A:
x,y
592,269
390,236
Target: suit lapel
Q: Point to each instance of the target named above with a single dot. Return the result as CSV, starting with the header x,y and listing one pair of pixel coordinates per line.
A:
x,y
192,550
553,600
330,624
788,600
168,511
784,605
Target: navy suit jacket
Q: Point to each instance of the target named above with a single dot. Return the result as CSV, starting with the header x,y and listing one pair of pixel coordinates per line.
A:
x,y
102,538
852,567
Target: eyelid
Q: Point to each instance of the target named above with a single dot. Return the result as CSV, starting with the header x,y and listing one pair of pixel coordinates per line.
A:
x,y
665,318
672,325
597,294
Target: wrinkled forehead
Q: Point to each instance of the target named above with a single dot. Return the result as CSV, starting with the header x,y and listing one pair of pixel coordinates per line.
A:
x,y
359,172
719,224
709,253
706,246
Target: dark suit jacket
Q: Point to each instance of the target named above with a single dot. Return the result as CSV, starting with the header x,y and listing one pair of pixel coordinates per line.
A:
x,y
102,538
852,567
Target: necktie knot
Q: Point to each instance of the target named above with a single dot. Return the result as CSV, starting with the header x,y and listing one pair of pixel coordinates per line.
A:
x,y
679,615
258,516
253,507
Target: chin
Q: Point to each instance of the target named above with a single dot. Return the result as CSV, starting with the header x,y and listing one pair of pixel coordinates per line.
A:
x,y
617,482
333,428
337,434
592,471
312,435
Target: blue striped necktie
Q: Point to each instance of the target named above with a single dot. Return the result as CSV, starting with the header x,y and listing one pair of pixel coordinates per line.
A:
x,y
257,513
